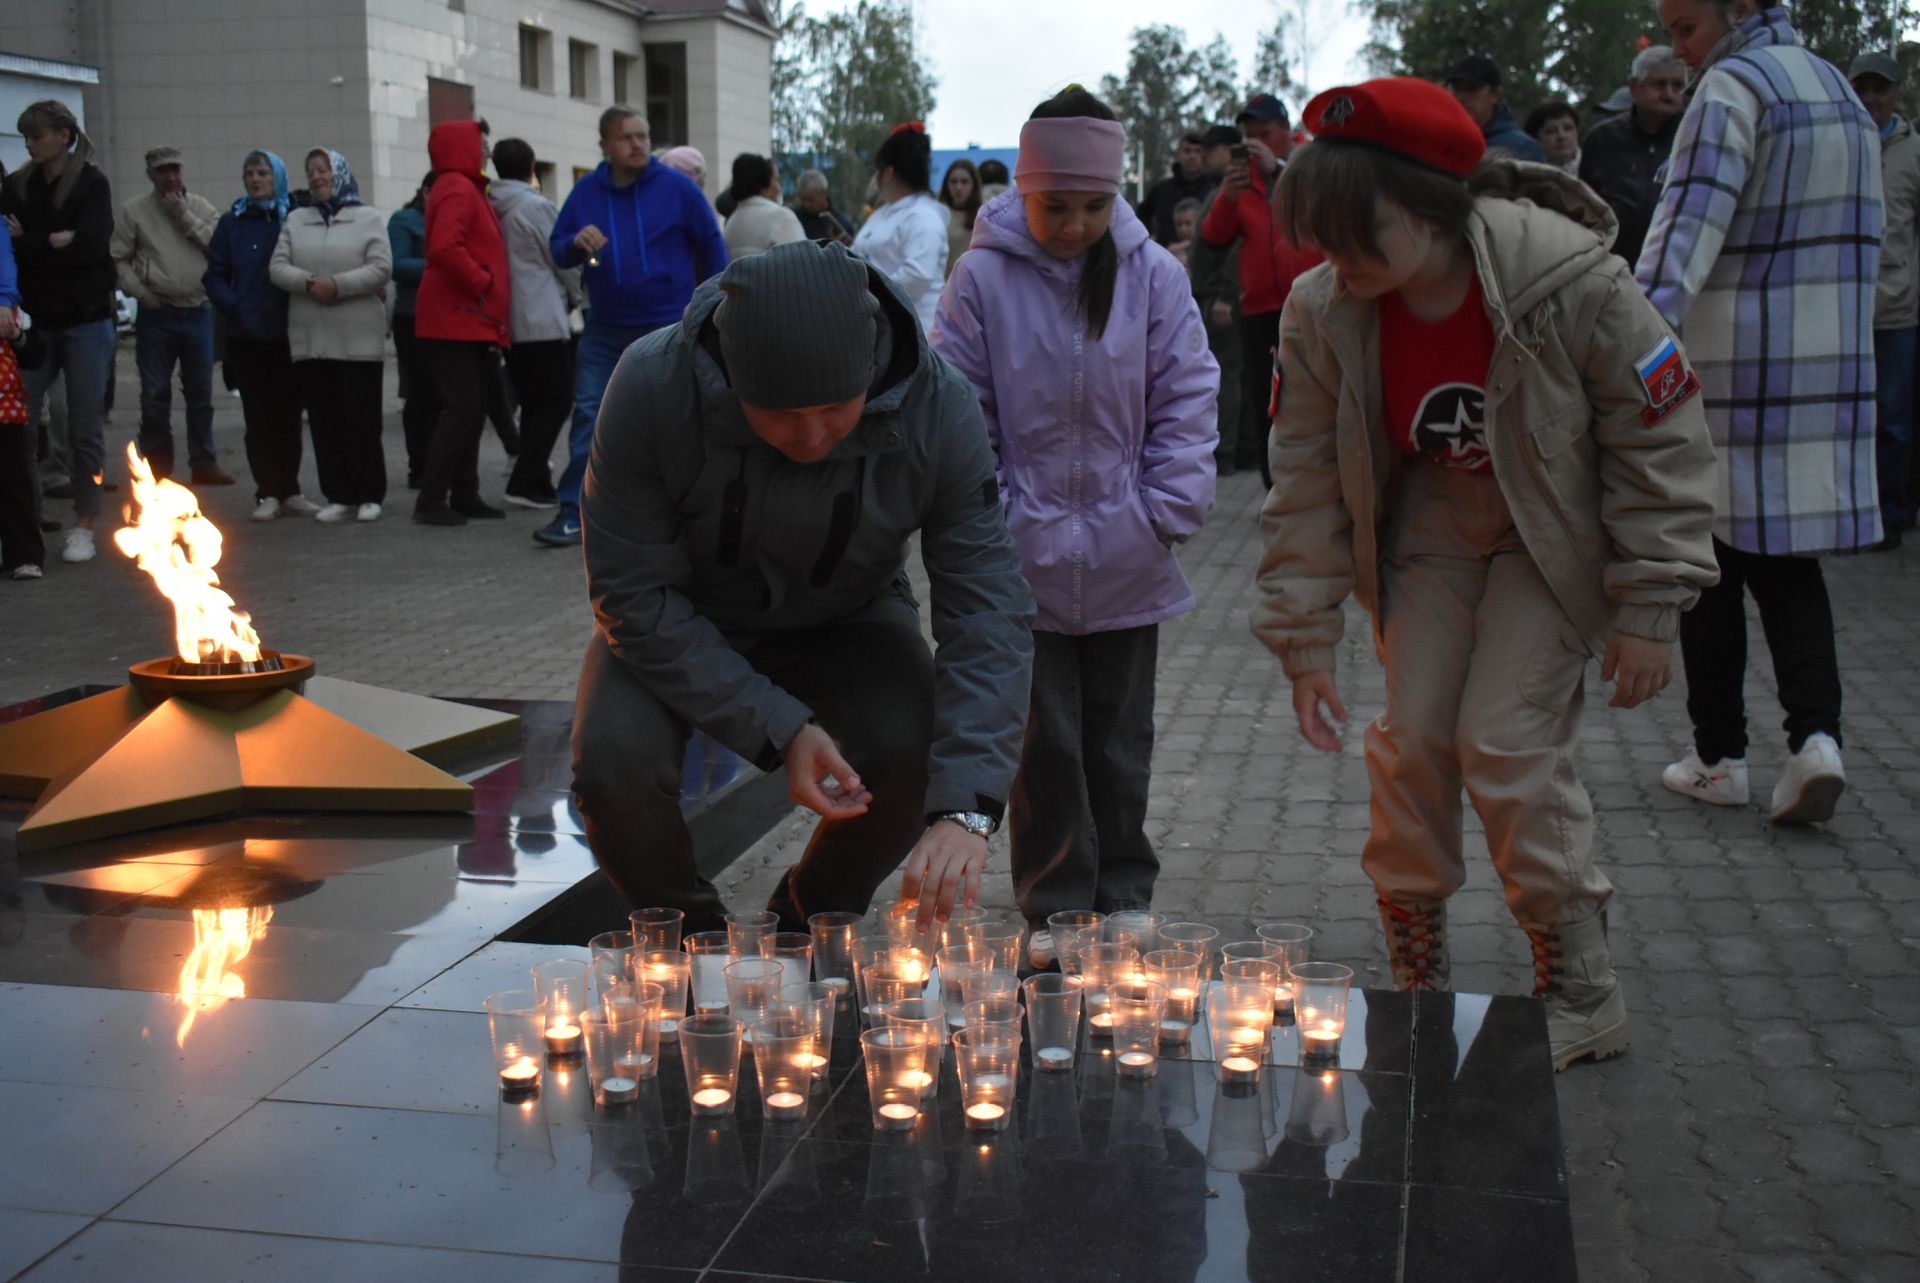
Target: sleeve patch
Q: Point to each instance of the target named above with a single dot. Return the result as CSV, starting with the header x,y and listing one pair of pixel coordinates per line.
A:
x,y
1665,380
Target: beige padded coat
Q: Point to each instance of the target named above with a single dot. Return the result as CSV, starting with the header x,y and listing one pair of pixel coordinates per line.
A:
x,y
1896,304
353,250
1617,511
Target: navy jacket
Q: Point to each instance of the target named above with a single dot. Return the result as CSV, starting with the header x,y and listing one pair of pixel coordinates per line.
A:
x,y
236,275
1504,131
407,235
663,241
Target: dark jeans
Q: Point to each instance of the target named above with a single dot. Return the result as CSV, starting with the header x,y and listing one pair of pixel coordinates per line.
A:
x,y
1077,818
164,337
1258,335
262,371
462,371
342,401
1893,352
20,540
420,412
542,376
84,353
1798,620
870,687
600,349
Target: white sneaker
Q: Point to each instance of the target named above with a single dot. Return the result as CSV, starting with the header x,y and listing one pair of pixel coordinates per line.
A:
x,y
332,512
299,505
1722,784
368,512
1811,785
27,570
79,545
1040,950
266,510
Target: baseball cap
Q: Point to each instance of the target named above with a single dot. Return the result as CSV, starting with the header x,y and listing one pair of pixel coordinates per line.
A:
x,y
1475,70
160,156
1264,107
1876,64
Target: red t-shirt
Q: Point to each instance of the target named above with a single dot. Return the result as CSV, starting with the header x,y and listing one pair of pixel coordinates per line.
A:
x,y
1433,377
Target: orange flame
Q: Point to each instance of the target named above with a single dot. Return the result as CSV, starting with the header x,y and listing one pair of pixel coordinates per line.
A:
x,y
179,548
221,938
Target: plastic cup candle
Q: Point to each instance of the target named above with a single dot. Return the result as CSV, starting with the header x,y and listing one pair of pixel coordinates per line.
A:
x,y
1192,937
999,941
1103,966
656,929
833,948
619,1053
708,956
1320,1008
613,954
896,1058
1179,972
1241,1020
520,1078
745,931
1288,943
793,950
1137,1010
988,1062
516,1019
752,984
710,1054
814,1003
1053,1018
1069,931
779,1040
927,1019
562,986
671,970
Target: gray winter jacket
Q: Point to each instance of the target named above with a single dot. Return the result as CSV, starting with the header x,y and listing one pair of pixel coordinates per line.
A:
x,y
697,531
542,294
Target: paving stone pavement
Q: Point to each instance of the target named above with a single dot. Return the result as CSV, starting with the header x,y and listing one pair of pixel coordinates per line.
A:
x,y
1765,1123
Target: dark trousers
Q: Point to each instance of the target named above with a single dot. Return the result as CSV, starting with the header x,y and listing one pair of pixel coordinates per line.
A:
x,y
261,370
165,337
502,404
542,377
1077,818
420,411
870,686
1258,335
462,371
20,540
342,401
1798,620
1893,436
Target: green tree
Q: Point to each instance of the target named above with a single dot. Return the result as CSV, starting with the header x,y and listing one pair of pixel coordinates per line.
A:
x,y
1157,99
1841,30
1578,50
840,84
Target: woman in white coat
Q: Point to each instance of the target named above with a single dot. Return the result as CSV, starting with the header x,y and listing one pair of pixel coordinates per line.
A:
x,y
907,236
334,261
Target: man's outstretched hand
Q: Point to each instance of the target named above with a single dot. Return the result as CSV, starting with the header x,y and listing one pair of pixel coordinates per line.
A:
x,y
819,779
942,873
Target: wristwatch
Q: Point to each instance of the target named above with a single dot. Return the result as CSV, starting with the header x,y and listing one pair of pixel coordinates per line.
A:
x,y
978,823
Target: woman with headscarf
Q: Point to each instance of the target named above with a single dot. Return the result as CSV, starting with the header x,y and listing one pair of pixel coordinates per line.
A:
x,y
333,260
259,362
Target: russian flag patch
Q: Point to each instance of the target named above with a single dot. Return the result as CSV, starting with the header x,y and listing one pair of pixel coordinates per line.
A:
x,y
1665,379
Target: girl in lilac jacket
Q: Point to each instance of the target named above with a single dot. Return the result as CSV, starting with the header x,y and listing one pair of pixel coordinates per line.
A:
x,y
1081,337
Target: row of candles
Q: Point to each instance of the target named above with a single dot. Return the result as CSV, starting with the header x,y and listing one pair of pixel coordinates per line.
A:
x,y
1131,982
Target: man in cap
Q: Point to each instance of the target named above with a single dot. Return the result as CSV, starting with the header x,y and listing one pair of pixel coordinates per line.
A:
x,y
160,240
756,476
1475,83
1621,158
1876,78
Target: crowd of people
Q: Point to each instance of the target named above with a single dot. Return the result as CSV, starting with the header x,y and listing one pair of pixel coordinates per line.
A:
x,y
1533,397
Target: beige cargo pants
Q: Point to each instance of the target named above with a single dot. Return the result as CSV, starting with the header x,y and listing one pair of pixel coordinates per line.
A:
x,y
1485,679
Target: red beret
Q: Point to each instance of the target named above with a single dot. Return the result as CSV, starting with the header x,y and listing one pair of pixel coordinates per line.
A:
x,y
1414,119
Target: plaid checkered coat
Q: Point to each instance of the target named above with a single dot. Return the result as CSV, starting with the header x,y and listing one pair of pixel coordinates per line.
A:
x,y
1763,255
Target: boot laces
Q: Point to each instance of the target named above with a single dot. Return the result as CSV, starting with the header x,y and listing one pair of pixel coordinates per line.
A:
x,y
1417,943
1546,962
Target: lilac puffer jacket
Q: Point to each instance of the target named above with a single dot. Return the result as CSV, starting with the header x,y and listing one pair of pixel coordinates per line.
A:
x,y
1104,447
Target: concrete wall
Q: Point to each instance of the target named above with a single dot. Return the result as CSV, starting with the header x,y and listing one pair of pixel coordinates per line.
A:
x,y
729,110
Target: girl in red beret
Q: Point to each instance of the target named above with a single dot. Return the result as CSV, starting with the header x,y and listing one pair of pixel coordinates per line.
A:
x,y
1488,437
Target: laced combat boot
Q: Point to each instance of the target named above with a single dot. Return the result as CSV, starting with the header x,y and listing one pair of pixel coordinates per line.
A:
x,y
1573,975
1416,932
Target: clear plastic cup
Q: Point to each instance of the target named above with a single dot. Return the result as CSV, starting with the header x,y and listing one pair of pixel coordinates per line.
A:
x,y
612,958
1193,937
671,970
709,952
1179,972
1103,966
957,967
1261,974
1137,927
999,1013
1320,1009
562,985
900,974
991,983
988,1064
710,1053
752,984
954,930
833,948
1138,1007
793,950
606,1043
1287,943
814,1002
1070,930
1053,1018
1240,1018
637,1002
656,928
745,931
927,1018
516,1024
896,1066
783,1044
1000,940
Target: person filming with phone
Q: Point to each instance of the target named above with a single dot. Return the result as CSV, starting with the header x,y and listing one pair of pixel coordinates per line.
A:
x,y
813,202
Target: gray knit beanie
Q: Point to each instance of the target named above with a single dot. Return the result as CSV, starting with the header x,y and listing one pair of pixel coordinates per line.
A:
x,y
797,326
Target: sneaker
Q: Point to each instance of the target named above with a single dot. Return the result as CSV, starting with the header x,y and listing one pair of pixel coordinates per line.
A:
x,y
1573,975
536,502
332,512
477,510
441,516
368,512
27,570
1811,785
562,532
1722,784
210,475
299,506
1040,955
79,546
266,510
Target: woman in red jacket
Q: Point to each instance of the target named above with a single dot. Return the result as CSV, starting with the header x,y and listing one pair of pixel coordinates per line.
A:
x,y
461,312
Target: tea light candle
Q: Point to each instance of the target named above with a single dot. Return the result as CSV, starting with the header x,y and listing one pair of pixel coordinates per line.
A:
x,y
630,1066
1239,1069
1054,1057
786,1104
839,985
914,971
1101,1022
619,1091
1324,1035
813,1063
1182,994
1283,996
712,1097
1136,1064
917,1080
563,1038
1175,1031
986,1116
521,1077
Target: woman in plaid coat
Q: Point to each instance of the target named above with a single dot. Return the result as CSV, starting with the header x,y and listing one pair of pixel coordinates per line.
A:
x,y
1763,255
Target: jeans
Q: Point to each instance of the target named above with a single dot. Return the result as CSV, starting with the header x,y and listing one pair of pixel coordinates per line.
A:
x,y
1077,817
870,687
1797,617
162,338
1893,352
600,349
84,353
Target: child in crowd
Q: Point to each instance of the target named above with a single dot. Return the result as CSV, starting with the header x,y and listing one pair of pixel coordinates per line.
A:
x,y
1081,337
1488,436
1186,220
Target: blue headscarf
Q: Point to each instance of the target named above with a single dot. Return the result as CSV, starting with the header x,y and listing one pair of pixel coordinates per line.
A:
x,y
346,191
279,202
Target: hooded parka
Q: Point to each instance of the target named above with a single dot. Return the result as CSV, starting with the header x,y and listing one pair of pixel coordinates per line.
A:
x,y
465,294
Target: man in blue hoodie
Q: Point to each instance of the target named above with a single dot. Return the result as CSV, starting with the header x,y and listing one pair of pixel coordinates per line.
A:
x,y
645,236
1475,82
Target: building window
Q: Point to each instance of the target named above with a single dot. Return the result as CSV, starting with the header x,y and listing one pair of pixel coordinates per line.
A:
x,y
667,93
543,176
623,80
536,55
583,69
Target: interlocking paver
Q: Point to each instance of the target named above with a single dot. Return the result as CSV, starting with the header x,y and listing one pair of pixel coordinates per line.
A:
x,y
1763,1124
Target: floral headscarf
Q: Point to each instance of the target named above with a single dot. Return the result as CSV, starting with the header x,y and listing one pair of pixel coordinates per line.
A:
x,y
280,201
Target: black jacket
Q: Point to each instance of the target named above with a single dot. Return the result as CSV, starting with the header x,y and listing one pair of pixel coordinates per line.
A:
x,y
1156,208
1620,162
72,285
818,228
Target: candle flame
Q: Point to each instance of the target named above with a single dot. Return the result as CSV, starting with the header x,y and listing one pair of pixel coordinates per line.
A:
x,y
169,539
221,938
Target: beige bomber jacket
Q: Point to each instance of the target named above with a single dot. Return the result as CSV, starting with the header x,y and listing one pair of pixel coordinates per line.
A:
x,y
1618,512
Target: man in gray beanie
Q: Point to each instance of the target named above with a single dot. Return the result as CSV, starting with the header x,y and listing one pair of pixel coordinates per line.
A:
x,y
756,476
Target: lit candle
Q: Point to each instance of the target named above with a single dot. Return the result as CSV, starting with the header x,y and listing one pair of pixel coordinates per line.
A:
x,y
1174,1030
1136,1064
712,1097
1182,994
563,1038
786,1104
1102,1022
813,1063
839,985
1283,996
916,1080
522,1076
1055,1057
986,1116
915,972
619,1091
1239,1069
899,1113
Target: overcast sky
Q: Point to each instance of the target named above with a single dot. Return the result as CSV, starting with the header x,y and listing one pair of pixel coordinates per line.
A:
x,y
997,58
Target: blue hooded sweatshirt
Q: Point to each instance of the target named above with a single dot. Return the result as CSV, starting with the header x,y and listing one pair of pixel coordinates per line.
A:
x,y
663,240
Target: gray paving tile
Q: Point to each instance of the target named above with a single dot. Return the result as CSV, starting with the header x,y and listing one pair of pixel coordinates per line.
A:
x,y
27,1236
434,1060
83,1149
500,965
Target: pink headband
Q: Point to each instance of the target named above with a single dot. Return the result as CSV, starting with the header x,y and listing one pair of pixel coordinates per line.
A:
x,y
1071,154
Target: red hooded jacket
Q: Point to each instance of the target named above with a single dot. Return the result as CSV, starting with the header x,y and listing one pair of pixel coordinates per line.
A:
x,y
463,295
1269,262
